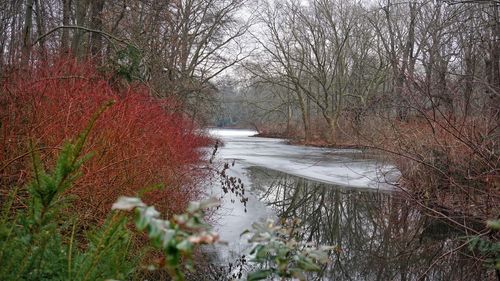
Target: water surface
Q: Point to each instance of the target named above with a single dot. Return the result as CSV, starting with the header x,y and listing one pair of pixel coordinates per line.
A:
x,y
339,198
348,167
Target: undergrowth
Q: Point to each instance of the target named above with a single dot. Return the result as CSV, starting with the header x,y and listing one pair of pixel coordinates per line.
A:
x,y
141,144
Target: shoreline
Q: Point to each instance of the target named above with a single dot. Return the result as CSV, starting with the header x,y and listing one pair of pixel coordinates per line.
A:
x,y
314,143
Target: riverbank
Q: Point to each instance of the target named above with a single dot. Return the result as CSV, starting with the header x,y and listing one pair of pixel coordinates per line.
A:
x,y
315,142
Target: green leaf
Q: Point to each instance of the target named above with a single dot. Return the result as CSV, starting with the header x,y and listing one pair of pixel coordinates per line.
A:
x,y
141,222
259,275
308,265
185,246
261,252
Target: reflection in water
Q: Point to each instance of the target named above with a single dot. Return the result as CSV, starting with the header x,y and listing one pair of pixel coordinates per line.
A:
x,y
378,236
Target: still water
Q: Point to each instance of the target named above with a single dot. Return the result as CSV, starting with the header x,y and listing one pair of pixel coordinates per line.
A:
x,y
341,198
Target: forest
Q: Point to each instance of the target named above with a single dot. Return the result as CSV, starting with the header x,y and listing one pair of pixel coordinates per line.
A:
x,y
101,99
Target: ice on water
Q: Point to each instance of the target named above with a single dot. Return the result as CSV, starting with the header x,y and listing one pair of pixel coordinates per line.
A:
x,y
335,166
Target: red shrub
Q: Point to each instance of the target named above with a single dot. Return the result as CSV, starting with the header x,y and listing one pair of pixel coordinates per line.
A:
x,y
137,143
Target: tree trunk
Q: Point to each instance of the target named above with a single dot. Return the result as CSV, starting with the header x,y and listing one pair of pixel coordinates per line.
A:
x,y
66,21
332,129
96,23
305,115
28,26
470,66
288,116
81,13
495,63
40,26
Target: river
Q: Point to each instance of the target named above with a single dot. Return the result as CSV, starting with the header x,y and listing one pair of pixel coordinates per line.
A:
x,y
343,198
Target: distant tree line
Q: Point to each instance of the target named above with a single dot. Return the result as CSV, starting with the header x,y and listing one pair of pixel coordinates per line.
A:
x,y
334,59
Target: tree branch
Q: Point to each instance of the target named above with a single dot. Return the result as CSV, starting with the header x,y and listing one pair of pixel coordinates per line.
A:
x,y
105,34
